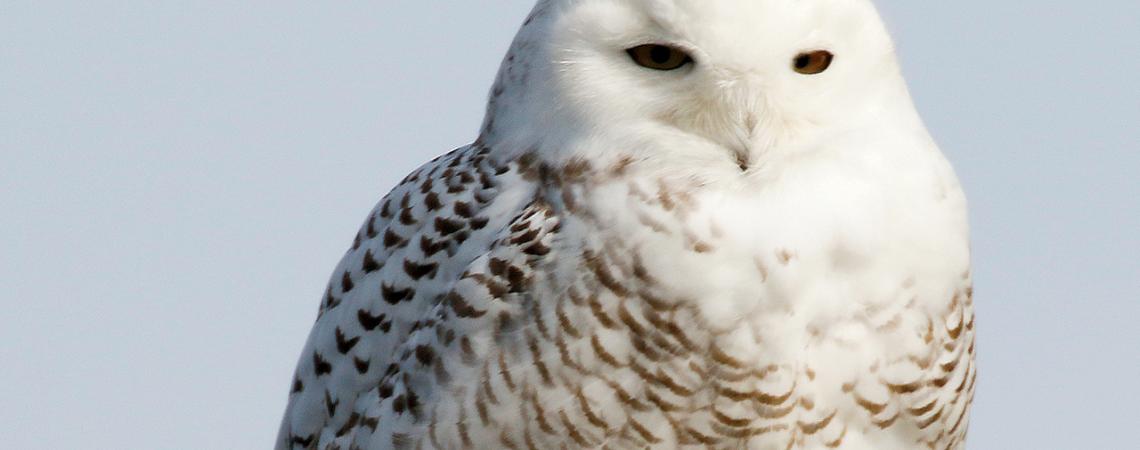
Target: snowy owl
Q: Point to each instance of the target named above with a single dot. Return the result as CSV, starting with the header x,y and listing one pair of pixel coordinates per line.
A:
x,y
684,224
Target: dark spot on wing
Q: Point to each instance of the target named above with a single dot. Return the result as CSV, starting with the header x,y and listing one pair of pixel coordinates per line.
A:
x,y
320,365
346,283
368,321
344,345
419,270
446,226
361,365
432,202
370,264
393,295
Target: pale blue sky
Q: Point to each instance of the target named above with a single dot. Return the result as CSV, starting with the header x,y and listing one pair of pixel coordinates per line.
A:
x,y
177,180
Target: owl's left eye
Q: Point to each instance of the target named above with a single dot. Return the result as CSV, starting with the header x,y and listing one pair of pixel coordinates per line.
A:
x,y
811,63
659,57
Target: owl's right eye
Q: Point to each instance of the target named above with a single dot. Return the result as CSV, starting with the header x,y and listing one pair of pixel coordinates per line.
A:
x,y
659,57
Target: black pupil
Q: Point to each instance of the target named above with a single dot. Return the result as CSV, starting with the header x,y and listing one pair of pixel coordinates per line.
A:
x,y
660,54
802,61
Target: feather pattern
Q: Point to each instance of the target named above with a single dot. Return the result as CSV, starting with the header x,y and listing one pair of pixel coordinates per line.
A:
x,y
724,268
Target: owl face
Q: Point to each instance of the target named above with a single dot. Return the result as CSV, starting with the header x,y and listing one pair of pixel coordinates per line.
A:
x,y
743,76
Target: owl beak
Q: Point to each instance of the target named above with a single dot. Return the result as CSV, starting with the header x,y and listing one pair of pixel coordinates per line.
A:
x,y
743,158
741,97
737,107
744,150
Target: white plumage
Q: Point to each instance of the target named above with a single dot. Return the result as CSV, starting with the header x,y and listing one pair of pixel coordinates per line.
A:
x,y
685,224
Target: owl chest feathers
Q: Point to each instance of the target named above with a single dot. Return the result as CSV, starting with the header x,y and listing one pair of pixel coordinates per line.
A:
x,y
795,318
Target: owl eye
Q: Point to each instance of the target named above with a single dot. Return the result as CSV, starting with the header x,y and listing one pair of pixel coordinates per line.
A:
x,y
811,63
659,57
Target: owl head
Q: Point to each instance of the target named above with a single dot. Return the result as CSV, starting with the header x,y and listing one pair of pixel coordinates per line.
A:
x,y
721,81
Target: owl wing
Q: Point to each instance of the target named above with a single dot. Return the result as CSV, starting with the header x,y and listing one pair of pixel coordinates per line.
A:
x,y
429,255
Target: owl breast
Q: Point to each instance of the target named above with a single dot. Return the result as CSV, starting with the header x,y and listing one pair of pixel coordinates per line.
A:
x,y
716,318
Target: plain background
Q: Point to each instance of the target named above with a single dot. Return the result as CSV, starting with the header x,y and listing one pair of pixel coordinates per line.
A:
x,y
177,181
